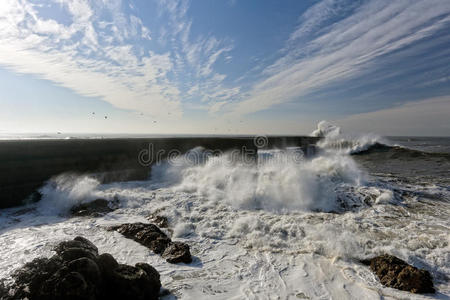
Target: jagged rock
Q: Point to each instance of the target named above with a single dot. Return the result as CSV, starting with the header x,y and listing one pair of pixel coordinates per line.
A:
x,y
161,221
94,208
151,272
70,254
134,283
396,273
153,238
30,279
77,243
78,272
177,252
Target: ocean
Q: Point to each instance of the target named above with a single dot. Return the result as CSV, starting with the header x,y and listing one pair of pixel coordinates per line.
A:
x,y
281,228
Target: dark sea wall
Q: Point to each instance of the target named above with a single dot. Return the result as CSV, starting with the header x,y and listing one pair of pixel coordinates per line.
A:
x,y
25,165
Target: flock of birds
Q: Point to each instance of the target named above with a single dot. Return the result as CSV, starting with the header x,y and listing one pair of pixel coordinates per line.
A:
x,y
154,121
106,117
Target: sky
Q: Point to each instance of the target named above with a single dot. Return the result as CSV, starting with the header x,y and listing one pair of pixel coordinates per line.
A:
x,y
225,67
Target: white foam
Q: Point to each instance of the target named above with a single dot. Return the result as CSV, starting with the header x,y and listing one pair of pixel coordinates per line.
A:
x,y
256,231
335,140
275,184
64,191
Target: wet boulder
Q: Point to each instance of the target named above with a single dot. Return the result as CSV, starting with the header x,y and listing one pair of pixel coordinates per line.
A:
x,y
78,272
94,208
396,273
153,238
107,263
177,252
161,221
134,283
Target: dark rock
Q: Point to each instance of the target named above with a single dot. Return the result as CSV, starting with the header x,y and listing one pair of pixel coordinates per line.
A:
x,y
3,291
107,263
156,241
86,267
159,244
73,286
161,221
396,273
151,272
94,208
153,238
131,230
177,252
87,243
78,243
77,272
70,254
31,277
134,283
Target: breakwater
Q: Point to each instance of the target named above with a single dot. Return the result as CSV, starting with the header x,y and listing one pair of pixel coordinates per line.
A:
x,y
25,165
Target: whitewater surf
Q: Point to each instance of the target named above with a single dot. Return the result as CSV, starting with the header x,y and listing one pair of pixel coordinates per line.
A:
x,y
286,227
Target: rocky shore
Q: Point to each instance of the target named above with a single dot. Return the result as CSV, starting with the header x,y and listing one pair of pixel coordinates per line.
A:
x,y
78,271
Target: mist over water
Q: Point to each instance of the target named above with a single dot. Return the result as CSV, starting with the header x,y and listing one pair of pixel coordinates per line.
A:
x,y
284,226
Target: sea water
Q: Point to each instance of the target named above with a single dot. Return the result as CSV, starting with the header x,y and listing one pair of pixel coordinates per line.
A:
x,y
283,227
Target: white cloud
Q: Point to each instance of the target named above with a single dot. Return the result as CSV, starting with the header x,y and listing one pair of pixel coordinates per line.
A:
x,y
71,56
197,57
344,49
97,55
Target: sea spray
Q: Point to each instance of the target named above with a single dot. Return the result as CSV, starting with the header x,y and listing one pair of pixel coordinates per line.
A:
x,y
260,229
333,139
278,183
63,192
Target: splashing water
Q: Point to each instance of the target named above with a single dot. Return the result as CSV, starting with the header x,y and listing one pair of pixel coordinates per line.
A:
x,y
335,140
63,192
279,185
263,230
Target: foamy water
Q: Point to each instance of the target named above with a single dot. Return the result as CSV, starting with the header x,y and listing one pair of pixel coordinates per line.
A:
x,y
284,228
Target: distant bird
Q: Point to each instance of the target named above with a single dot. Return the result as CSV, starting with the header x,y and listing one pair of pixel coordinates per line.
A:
x,y
93,112
142,114
58,132
154,121
106,117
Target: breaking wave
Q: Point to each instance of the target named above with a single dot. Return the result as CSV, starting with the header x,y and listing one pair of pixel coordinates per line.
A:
x,y
260,227
333,139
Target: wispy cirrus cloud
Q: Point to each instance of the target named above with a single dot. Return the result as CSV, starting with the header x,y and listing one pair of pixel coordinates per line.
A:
x,y
91,56
102,52
158,62
341,40
195,57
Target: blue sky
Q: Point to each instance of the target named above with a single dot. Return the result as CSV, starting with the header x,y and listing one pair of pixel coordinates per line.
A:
x,y
224,67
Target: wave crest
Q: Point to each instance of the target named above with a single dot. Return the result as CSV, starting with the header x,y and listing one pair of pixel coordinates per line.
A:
x,y
334,140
